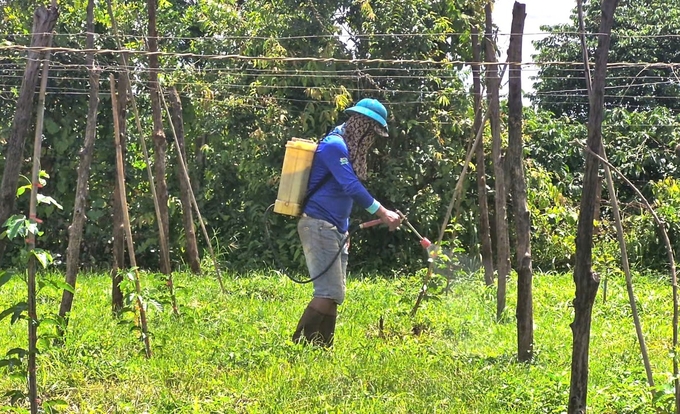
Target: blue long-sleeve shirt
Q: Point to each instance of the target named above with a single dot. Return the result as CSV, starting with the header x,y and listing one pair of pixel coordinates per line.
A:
x,y
333,201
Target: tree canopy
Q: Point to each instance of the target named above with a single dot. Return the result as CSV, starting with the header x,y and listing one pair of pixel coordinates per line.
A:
x,y
252,75
643,59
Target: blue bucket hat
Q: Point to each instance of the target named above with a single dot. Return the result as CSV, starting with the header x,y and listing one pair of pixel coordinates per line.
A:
x,y
371,108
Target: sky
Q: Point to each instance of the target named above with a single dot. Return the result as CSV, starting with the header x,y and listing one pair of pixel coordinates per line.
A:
x,y
538,13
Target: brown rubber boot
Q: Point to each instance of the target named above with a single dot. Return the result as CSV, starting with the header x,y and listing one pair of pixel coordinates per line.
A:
x,y
309,325
327,330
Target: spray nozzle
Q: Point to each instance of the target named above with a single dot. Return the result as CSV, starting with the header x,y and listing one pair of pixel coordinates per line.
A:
x,y
424,242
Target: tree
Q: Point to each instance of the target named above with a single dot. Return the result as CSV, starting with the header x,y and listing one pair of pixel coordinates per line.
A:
x,y
643,49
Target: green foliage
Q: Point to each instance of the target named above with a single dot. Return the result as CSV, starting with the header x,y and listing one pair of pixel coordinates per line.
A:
x,y
639,144
643,33
238,114
548,144
233,353
15,361
647,248
553,222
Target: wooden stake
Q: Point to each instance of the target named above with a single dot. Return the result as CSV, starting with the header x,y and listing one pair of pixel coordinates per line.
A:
x,y
482,195
75,231
35,185
177,123
185,174
501,194
126,217
586,281
671,259
30,239
617,220
524,310
142,142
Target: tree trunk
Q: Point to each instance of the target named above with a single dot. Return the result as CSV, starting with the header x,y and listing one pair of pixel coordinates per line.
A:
x,y
160,145
44,20
524,311
482,196
184,185
502,238
76,228
585,279
118,223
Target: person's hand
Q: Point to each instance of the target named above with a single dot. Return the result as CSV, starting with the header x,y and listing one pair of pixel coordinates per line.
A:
x,y
389,217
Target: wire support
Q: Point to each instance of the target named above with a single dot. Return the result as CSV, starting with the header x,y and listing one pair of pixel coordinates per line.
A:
x,y
443,62
343,35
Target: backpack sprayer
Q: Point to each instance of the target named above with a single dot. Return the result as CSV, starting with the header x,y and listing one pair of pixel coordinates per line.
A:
x,y
292,196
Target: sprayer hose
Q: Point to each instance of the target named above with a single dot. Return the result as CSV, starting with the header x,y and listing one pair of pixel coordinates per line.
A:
x,y
277,260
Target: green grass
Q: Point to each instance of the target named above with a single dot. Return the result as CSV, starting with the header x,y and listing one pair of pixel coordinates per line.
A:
x,y
232,353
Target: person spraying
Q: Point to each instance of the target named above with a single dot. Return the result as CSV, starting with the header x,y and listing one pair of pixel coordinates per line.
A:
x,y
335,185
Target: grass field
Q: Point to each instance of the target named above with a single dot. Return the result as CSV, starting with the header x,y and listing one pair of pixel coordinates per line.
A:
x,y
232,353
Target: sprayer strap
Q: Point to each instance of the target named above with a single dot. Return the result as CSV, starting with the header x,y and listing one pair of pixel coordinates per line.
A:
x,y
316,188
320,184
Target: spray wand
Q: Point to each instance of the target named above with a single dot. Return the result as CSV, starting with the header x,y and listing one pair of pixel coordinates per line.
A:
x,y
424,242
431,254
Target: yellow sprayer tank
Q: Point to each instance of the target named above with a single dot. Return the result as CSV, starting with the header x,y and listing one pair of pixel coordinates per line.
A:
x,y
297,163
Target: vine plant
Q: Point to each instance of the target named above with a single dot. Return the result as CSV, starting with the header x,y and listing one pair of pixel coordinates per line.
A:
x,y
17,361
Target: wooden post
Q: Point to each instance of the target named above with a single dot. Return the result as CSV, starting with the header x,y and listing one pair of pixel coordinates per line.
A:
x,y
617,220
126,220
175,114
142,143
524,311
75,231
674,278
480,163
586,281
185,173
118,242
160,149
44,20
501,218
30,239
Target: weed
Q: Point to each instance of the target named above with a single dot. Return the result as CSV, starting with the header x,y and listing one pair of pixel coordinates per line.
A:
x,y
233,354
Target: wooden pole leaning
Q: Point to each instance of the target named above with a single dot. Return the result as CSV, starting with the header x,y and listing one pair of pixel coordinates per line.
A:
x,y
126,217
456,192
194,204
30,237
142,142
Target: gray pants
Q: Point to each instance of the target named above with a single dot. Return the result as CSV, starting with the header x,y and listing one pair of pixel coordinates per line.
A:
x,y
321,242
